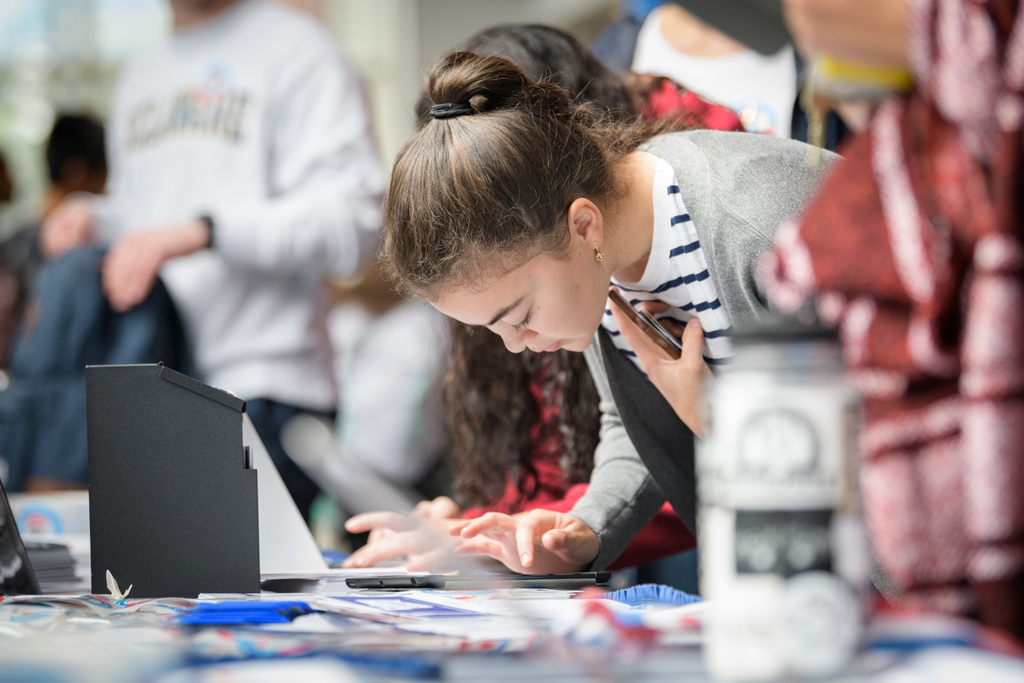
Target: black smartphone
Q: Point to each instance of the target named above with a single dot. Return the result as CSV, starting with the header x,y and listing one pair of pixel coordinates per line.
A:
x,y
651,327
482,581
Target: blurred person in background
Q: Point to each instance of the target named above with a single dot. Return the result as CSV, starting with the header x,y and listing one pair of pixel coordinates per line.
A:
x,y
76,161
10,292
760,88
524,426
671,41
57,322
243,172
931,309
735,52
390,353
546,53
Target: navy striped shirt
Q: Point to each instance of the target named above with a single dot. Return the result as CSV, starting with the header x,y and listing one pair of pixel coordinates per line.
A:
x,y
676,274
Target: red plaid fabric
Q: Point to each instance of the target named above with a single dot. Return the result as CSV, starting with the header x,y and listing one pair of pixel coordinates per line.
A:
x,y
913,248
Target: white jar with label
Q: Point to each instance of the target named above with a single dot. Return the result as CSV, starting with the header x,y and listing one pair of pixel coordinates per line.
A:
x,y
784,551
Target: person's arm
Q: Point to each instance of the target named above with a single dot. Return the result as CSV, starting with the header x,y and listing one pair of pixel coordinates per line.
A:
x,y
622,496
325,182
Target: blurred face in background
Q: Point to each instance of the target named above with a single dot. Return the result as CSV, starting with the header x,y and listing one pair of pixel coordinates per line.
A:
x,y
189,12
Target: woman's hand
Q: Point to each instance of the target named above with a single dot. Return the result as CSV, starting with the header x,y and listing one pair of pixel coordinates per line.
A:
x,y
421,537
424,542
441,507
69,226
680,381
539,542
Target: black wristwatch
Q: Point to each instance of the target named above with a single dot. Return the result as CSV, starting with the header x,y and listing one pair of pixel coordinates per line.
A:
x,y
207,220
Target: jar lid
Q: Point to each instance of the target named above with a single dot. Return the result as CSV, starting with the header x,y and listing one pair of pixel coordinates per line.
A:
x,y
779,329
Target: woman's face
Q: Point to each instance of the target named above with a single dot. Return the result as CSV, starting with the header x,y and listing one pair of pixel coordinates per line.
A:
x,y
548,303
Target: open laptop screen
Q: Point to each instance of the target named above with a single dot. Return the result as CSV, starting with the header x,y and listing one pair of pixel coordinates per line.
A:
x,y
16,575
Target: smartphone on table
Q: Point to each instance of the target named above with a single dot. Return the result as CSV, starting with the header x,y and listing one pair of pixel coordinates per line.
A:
x,y
651,327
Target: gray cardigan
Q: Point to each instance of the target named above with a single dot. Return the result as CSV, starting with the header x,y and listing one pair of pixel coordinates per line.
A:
x,y
738,188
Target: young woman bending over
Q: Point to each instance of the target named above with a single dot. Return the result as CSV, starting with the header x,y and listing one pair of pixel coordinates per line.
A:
x,y
515,209
524,426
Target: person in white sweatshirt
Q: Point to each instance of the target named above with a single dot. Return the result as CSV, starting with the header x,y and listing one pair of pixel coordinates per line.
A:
x,y
243,172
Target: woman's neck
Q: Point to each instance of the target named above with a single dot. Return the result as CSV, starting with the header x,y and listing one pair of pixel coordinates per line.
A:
x,y
629,221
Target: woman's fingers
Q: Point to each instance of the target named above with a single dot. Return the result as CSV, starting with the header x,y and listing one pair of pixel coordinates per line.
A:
x,y
531,527
483,546
379,533
490,523
693,348
68,226
422,562
441,507
672,327
554,540
693,334
566,544
654,307
456,528
647,352
374,553
370,520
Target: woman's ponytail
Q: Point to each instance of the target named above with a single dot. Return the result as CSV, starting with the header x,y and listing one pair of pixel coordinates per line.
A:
x,y
482,82
486,183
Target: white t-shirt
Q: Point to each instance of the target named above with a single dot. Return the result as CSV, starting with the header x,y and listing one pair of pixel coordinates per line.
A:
x,y
676,274
254,118
760,89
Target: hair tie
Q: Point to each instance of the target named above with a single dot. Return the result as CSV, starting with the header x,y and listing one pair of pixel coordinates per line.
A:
x,y
450,110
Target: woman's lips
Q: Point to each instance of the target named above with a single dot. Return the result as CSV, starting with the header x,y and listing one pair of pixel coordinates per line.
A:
x,y
554,347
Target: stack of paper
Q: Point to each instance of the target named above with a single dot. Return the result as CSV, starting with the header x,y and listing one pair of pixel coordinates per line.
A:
x,y
79,547
53,564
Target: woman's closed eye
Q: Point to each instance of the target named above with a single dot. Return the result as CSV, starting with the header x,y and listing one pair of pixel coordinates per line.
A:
x,y
522,325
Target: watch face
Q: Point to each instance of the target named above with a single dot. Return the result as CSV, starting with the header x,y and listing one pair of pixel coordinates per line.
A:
x,y
778,444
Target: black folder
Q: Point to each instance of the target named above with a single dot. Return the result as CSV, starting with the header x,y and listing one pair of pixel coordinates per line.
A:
x,y
173,508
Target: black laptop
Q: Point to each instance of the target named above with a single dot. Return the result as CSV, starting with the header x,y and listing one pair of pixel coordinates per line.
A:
x,y
16,574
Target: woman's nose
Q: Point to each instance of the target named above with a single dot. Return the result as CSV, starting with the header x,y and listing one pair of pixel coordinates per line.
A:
x,y
516,340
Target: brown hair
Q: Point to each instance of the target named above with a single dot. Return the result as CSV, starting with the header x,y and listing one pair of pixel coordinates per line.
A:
x,y
491,395
545,53
481,194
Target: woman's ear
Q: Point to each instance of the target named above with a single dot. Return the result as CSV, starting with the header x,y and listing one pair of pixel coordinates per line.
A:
x,y
585,222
